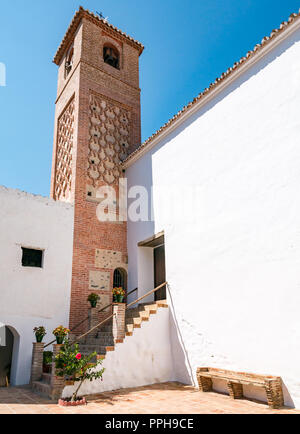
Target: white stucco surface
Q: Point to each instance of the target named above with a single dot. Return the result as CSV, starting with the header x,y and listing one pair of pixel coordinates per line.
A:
x,y
233,231
142,359
31,297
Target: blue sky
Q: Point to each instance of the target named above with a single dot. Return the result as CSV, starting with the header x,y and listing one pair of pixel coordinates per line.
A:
x,y
188,44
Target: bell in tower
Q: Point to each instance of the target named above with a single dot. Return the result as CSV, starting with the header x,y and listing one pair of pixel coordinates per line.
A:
x,y
111,56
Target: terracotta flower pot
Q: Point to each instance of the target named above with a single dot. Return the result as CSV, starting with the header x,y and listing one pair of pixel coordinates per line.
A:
x,y
69,382
69,403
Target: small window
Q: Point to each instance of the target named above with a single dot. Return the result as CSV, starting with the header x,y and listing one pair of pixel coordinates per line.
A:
x,y
111,56
120,279
32,258
69,62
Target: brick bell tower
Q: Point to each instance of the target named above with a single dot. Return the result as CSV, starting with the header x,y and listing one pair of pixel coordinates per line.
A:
x,y
97,124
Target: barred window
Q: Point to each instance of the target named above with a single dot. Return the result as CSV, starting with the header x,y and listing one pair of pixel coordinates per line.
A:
x,y
120,279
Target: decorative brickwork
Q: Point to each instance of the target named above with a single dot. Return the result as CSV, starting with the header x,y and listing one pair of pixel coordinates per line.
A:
x,y
235,390
37,362
93,318
110,140
57,383
64,149
105,102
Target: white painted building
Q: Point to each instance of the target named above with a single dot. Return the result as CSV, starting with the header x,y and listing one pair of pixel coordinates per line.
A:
x,y
225,178
33,296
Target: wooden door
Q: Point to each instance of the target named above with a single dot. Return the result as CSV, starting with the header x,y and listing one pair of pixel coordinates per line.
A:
x,y
160,272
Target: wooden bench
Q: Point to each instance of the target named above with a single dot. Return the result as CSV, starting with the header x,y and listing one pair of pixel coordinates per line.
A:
x,y
236,381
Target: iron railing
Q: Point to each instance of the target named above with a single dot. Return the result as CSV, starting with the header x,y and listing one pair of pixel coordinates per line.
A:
x,y
86,319
127,307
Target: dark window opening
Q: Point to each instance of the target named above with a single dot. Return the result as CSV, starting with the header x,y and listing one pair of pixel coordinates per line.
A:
x,y
32,258
69,62
111,56
120,279
90,194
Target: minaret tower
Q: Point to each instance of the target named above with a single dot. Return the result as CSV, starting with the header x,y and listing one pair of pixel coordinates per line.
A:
x,y
97,124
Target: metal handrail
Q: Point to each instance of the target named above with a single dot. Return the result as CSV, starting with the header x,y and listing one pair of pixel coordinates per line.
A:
x,y
131,292
146,295
81,322
101,310
110,317
128,306
92,329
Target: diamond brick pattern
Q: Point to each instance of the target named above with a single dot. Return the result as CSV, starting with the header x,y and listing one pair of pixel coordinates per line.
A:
x,y
63,173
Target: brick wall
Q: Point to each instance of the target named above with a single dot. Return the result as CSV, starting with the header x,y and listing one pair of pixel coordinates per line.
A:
x,y
120,88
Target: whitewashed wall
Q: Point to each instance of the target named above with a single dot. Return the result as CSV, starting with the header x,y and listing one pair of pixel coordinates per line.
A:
x,y
31,297
233,245
142,359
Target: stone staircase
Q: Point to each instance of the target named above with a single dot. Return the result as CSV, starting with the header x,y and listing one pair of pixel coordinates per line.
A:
x,y
102,340
43,386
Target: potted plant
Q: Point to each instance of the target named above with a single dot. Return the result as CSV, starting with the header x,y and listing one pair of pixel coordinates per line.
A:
x,y
76,368
47,361
119,295
93,299
60,333
39,332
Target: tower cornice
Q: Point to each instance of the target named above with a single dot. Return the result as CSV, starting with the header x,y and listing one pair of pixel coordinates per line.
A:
x,y
107,27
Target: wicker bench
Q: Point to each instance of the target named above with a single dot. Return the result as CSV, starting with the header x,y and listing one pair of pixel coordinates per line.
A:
x,y
236,381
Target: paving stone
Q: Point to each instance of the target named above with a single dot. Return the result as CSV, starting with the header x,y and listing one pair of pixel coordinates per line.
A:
x,y
167,398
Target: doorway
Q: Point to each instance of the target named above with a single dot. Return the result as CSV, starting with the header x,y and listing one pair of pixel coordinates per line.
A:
x,y
152,266
6,355
160,272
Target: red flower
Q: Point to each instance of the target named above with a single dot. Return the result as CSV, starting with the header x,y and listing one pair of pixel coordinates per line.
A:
x,y
78,357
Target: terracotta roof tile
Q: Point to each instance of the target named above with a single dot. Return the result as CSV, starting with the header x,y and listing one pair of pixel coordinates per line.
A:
x,y
236,65
100,21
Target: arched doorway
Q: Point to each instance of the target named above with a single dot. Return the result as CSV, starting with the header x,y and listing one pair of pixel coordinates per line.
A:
x,y
9,350
120,279
6,356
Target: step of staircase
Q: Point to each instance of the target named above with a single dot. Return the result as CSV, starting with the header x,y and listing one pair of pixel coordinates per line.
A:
x,y
46,378
88,349
41,388
103,341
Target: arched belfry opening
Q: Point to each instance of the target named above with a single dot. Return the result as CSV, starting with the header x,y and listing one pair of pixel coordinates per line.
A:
x,y
69,62
120,279
111,56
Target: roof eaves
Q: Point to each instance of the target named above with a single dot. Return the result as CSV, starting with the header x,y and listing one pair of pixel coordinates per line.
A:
x,y
74,24
250,55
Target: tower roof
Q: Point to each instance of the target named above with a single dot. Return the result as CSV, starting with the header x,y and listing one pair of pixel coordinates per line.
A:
x,y
101,22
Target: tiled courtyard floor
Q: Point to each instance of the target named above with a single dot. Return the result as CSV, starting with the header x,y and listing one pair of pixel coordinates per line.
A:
x,y
168,398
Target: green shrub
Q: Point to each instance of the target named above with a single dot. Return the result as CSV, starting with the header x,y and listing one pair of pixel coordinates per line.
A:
x,y
47,357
